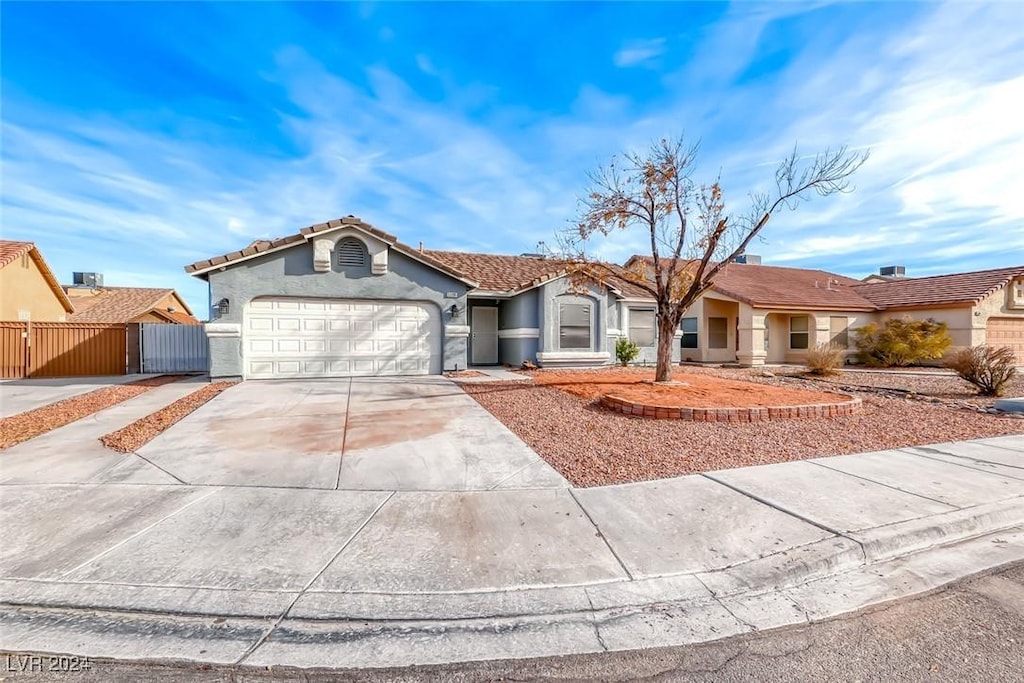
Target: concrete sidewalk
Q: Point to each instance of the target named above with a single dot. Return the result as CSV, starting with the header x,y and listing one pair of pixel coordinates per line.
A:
x,y
278,576
21,395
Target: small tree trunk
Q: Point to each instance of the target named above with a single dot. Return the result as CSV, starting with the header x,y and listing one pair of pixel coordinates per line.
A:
x,y
666,337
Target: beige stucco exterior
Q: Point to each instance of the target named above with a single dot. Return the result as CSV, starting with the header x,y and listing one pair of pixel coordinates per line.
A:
x,y
25,293
764,333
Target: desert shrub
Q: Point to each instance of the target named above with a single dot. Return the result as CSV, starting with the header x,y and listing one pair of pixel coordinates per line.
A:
x,y
986,367
626,351
825,359
901,341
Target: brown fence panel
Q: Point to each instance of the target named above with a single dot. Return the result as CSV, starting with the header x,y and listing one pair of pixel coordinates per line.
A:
x,y
77,349
13,350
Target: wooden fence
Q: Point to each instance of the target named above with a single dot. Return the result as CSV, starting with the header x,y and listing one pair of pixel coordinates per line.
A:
x,y
62,349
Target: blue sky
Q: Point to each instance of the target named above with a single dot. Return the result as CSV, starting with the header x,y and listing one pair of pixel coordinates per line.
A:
x,y
139,137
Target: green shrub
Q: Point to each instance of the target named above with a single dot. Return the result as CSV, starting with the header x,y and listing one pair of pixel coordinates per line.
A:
x,y
825,359
986,367
626,351
901,341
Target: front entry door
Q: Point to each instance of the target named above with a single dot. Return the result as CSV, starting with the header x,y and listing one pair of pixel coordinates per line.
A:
x,y
484,331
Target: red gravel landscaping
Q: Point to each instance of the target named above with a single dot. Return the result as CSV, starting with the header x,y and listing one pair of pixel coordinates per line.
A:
x,y
30,424
692,390
592,446
134,436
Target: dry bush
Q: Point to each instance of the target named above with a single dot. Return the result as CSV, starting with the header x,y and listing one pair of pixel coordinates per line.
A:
x,y
901,342
986,367
825,359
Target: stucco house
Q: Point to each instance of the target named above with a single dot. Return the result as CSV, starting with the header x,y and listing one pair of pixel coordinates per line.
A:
x,y
756,314
345,298
101,304
28,288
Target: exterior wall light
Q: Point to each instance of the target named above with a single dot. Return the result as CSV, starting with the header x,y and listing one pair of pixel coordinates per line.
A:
x,y
223,307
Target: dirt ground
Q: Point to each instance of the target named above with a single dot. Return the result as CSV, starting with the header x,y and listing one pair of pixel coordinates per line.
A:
x,y
693,390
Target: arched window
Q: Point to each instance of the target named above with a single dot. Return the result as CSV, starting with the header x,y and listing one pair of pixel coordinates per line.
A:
x,y
351,252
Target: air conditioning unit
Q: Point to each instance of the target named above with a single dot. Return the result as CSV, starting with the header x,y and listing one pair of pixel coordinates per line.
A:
x,y
93,280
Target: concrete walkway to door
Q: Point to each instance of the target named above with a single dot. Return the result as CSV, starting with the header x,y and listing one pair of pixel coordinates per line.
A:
x,y
382,434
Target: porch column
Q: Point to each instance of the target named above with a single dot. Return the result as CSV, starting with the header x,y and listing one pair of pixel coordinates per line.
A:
x,y
819,330
751,350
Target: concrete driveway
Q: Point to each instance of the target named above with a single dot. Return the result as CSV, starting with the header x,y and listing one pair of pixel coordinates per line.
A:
x,y
382,434
21,395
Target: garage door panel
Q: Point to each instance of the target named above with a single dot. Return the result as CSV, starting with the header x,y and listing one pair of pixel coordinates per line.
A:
x,y
1006,332
324,337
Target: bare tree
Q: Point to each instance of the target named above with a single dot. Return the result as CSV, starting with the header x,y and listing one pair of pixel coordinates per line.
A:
x,y
692,237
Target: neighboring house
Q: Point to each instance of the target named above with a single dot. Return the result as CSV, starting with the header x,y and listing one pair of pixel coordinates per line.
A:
x,y
100,304
344,298
28,289
983,307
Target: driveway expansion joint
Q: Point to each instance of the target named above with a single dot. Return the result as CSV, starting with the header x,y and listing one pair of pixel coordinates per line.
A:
x,y
604,539
880,483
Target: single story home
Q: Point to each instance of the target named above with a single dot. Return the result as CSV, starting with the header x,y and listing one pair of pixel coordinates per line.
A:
x,y
30,290
344,298
101,304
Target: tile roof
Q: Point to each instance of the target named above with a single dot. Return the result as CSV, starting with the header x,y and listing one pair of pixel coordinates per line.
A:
x,y
509,274
797,288
121,304
261,246
11,251
938,290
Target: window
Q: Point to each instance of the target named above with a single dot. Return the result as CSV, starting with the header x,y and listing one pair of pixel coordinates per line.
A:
x,y
799,334
838,331
574,326
351,252
641,327
689,328
718,333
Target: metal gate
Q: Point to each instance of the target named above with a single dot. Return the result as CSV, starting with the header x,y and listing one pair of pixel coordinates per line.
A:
x,y
29,349
173,348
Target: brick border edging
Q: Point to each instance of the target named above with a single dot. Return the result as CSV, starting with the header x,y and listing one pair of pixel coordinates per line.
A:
x,y
819,410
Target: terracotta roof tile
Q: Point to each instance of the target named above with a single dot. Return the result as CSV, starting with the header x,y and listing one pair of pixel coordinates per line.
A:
x,y
120,304
260,246
799,288
11,251
938,290
499,272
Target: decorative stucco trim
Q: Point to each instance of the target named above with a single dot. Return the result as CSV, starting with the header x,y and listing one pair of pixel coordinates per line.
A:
x,y
456,331
223,329
519,333
573,356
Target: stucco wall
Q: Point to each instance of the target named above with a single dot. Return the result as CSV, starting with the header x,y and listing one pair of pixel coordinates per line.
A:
x,y
23,289
519,328
550,294
290,273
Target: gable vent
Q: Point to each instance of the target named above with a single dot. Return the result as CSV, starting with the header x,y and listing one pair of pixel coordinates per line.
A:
x,y
351,252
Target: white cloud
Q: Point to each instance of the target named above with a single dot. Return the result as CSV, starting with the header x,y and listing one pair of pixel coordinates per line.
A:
x,y
637,52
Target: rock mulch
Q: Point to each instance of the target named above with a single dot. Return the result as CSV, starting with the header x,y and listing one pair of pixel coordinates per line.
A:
x,y
132,437
30,424
592,446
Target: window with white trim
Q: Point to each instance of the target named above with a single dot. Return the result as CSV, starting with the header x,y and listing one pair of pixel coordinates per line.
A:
x,y
690,339
641,327
574,326
799,332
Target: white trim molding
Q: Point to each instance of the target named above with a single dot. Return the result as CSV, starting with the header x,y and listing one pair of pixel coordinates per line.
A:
x,y
613,332
456,330
566,358
519,333
223,329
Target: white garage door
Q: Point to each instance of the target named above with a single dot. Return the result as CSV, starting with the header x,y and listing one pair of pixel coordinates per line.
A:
x,y
290,337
